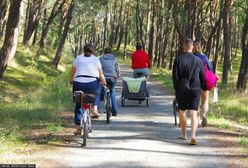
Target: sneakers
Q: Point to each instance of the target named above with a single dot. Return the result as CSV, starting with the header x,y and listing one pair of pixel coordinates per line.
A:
x,y
94,114
193,142
204,121
114,114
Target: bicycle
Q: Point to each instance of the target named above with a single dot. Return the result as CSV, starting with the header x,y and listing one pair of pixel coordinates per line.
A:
x,y
85,122
107,104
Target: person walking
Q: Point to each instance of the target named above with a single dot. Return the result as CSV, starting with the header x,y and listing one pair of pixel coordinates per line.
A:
x,y
140,62
85,75
204,93
188,79
111,72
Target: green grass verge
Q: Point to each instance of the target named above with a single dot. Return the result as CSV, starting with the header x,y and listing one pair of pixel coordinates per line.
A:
x,y
32,93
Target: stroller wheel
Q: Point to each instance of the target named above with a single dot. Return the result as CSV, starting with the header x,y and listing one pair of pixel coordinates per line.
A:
x,y
122,102
147,103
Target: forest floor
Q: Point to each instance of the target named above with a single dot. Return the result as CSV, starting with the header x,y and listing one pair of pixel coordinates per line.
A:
x,y
137,137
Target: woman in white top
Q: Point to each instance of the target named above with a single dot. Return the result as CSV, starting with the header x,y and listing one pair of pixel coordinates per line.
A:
x,y
85,75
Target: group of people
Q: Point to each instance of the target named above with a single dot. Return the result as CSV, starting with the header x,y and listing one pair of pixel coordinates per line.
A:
x,y
189,79
91,75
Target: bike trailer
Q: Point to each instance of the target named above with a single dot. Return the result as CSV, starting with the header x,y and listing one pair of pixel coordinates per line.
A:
x,y
135,89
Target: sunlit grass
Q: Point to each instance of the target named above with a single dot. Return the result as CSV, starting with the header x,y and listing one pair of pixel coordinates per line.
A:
x,y
32,92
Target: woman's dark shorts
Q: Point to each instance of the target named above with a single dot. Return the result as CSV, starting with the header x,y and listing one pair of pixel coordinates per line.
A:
x,y
189,100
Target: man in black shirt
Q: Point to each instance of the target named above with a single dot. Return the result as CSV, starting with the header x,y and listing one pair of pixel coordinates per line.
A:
x,y
188,79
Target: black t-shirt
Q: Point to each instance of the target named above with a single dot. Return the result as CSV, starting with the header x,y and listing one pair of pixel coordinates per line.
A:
x,y
182,68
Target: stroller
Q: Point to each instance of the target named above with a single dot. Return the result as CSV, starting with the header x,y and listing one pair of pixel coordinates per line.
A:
x,y
135,89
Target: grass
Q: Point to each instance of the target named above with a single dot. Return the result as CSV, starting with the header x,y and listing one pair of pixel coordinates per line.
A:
x,y
32,93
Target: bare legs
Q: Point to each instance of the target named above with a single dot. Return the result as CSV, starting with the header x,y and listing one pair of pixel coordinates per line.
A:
x,y
183,123
194,123
204,102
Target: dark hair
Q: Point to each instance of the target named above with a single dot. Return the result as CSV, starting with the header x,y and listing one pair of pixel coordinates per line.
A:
x,y
188,43
139,47
88,49
108,50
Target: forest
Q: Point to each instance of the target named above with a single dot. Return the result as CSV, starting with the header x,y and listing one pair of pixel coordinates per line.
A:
x,y
220,25
40,38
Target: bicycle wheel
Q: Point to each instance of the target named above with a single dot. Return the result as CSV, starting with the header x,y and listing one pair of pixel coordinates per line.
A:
x,y
85,133
85,129
108,108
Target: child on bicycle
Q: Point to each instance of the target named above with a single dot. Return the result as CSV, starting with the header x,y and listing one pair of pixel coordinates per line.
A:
x,y
111,72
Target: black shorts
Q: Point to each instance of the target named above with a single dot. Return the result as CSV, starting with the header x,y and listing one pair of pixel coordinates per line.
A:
x,y
188,101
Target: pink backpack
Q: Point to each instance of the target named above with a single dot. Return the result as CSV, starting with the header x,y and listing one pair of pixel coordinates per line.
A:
x,y
211,78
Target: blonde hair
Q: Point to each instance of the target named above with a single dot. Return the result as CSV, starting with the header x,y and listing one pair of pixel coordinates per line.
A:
x,y
197,48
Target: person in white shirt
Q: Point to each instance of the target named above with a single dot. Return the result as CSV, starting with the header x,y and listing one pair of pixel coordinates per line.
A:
x,y
85,75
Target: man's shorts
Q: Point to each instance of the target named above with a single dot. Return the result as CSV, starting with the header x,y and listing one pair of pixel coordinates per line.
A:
x,y
188,101
144,71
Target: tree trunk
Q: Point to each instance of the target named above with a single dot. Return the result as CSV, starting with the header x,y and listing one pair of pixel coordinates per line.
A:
x,y
227,40
34,14
243,72
137,22
126,30
172,53
46,27
151,31
3,10
11,36
64,35
105,28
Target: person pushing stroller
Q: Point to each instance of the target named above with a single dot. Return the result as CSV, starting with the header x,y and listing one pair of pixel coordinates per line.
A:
x,y
140,62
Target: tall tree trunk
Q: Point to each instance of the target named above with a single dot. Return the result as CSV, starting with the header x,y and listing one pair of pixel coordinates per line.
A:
x,y
56,8
227,40
64,35
34,14
137,22
126,30
105,28
3,10
11,36
166,34
243,72
172,53
151,31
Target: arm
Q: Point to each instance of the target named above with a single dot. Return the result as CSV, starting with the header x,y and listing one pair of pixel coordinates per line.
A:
x,y
73,70
202,76
210,66
175,74
101,76
117,68
148,61
132,62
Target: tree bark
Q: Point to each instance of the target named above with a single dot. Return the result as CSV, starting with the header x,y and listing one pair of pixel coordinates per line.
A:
x,y
53,14
64,35
227,40
34,14
243,72
151,31
3,10
11,36
126,30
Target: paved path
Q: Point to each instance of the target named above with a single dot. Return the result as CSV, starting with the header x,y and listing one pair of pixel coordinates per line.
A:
x,y
142,137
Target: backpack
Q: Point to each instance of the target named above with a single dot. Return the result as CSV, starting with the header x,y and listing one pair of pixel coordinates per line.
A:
x,y
210,77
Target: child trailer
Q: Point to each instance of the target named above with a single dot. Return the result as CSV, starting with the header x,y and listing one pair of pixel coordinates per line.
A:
x,y
135,89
